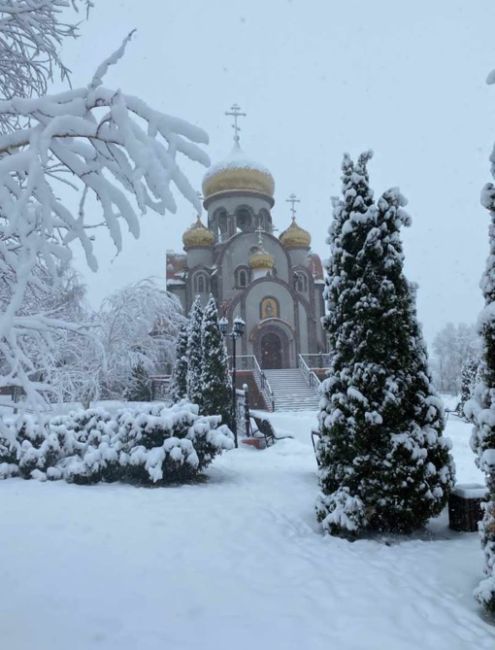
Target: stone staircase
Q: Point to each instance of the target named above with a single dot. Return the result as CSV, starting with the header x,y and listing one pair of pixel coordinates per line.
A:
x,y
291,391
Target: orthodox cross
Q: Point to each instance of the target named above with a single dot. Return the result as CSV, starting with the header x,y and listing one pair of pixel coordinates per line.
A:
x,y
235,112
293,200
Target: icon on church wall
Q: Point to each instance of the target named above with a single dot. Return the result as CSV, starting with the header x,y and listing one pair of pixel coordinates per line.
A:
x,y
269,308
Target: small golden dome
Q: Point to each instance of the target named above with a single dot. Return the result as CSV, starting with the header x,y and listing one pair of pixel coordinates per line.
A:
x,y
260,259
197,236
295,237
236,173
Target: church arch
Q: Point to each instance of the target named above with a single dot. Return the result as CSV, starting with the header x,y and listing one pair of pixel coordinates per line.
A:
x,y
241,277
301,282
244,219
264,220
274,345
201,282
221,224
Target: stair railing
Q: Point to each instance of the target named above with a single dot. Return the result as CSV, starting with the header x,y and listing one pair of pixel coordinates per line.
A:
x,y
250,362
310,376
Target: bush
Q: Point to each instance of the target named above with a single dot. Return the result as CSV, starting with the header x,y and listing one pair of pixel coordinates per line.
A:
x,y
147,444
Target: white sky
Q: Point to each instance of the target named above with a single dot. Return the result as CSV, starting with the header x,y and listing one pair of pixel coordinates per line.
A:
x,y
317,78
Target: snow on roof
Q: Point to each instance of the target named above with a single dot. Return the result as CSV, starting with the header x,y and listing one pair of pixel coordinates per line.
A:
x,y
235,160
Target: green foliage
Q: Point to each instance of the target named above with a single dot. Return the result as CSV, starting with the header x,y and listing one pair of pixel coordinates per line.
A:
x,y
215,378
481,410
194,353
384,464
139,386
178,388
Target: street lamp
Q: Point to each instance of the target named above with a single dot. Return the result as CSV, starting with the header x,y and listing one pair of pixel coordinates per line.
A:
x,y
237,331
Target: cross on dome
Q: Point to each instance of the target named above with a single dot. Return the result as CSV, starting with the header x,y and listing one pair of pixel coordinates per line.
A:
x,y
293,200
235,112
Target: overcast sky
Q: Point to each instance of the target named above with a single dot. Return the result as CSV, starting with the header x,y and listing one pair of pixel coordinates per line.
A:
x,y
317,78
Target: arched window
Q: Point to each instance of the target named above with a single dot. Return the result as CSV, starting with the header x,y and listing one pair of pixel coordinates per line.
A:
x,y
221,220
200,283
241,277
301,282
264,220
269,308
244,219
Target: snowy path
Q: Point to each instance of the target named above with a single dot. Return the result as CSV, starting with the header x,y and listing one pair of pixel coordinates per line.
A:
x,y
235,563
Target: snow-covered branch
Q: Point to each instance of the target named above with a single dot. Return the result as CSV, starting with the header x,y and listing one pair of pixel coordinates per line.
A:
x,y
31,33
114,147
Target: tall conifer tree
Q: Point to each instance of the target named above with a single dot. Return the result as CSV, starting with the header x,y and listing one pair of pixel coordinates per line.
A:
x,y
215,377
194,353
481,409
178,388
384,464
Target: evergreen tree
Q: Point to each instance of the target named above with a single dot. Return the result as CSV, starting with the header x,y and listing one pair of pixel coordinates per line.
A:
x,y
481,410
384,464
139,386
468,381
215,377
194,353
178,385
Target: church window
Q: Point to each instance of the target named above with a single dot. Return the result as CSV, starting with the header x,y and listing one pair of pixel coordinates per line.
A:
x,y
269,308
241,278
301,282
264,221
244,220
200,283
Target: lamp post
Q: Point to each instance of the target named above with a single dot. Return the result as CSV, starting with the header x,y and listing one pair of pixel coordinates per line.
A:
x,y
237,331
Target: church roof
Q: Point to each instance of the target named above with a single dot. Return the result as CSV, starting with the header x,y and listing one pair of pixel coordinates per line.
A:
x,y
238,173
197,236
295,236
261,259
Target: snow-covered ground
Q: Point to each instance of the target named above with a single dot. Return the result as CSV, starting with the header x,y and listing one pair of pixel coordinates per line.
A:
x,y
234,563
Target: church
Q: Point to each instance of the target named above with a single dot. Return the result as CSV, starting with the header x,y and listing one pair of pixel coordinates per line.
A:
x,y
275,284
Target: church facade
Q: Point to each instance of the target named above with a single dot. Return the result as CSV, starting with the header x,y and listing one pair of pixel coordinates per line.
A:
x,y
275,284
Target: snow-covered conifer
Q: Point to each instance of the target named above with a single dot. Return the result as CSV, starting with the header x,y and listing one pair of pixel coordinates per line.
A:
x,y
195,353
481,408
468,383
215,377
139,387
384,464
178,385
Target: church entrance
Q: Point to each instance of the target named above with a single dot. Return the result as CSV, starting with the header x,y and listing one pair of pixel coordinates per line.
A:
x,y
271,351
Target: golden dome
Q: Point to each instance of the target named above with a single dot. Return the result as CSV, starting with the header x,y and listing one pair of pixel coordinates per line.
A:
x,y
260,259
236,173
197,236
295,237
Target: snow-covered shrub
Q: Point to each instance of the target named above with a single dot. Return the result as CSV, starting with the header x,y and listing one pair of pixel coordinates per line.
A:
x,y
384,464
148,444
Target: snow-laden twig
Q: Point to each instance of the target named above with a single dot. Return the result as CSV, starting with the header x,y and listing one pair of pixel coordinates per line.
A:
x,y
117,149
